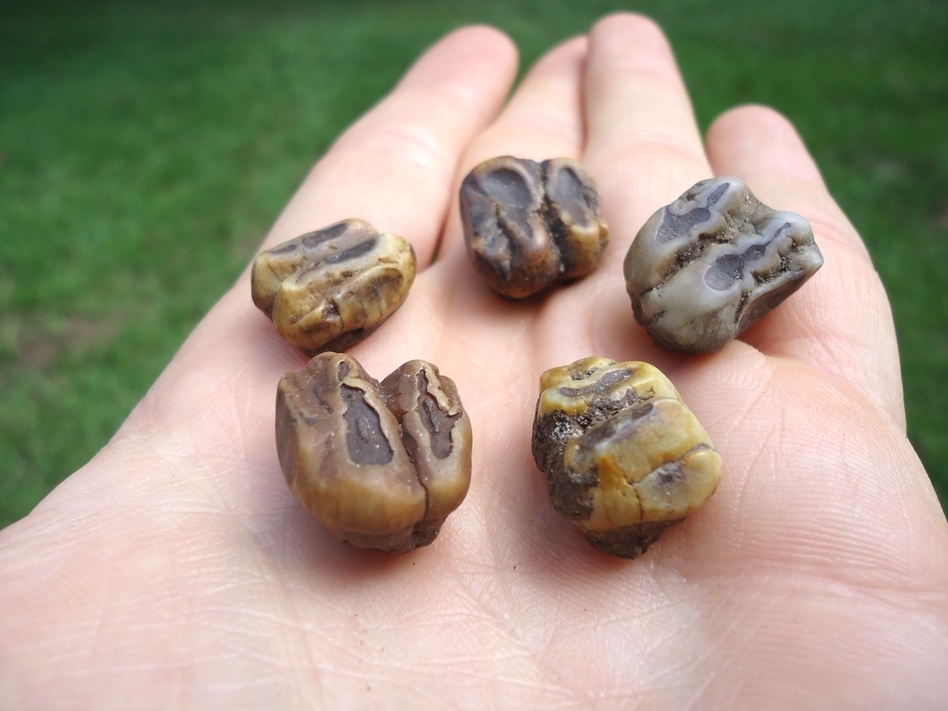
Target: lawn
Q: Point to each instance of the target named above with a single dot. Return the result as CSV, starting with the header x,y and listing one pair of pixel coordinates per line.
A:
x,y
146,147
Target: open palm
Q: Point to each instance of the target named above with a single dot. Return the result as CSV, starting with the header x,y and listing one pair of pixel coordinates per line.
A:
x,y
177,570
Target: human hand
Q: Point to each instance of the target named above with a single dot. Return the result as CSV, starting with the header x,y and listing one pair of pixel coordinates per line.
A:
x,y
176,569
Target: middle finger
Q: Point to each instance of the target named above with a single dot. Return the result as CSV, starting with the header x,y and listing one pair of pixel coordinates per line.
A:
x,y
644,147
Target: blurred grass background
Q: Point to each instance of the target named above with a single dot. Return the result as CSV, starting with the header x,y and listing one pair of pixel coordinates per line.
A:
x,y
145,148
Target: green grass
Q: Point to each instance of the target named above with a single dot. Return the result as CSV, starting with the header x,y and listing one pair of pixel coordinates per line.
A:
x,y
144,151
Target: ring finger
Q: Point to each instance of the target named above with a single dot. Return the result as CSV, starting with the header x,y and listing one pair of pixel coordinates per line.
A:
x,y
543,119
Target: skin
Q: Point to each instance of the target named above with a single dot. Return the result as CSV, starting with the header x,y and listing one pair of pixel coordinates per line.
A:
x,y
177,570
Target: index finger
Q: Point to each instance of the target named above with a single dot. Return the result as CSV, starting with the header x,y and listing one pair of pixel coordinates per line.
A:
x,y
840,320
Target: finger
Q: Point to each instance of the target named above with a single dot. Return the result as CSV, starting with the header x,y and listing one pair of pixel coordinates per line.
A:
x,y
479,339
644,147
395,167
840,320
543,119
